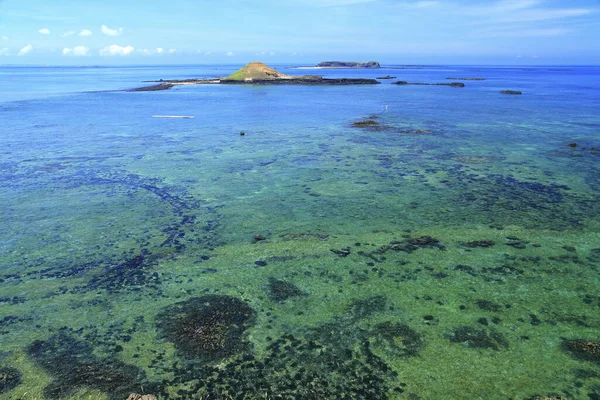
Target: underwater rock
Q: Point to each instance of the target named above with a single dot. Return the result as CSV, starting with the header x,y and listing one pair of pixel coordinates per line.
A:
x,y
478,243
323,362
209,327
587,350
423,241
488,305
10,378
281,290
363,308
397,339
343,252
72,365
478,338
128,273
135,396
259,238
368,123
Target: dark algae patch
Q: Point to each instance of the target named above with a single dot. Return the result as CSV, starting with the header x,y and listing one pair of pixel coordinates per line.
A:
x,y
73,366
208,328
10,378
588,350
282,290
478,338
333,359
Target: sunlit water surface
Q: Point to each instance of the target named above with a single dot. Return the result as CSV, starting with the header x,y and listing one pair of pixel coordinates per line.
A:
x,y
447,249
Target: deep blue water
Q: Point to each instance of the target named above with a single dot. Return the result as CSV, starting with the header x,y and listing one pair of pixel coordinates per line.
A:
x,y
451,249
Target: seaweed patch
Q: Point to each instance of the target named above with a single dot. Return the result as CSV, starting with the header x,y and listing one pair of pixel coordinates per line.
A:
x,y
323,362
10,378
72,365
207,328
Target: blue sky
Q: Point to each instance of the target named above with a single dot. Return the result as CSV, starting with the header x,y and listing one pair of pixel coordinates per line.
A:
x,y
112,32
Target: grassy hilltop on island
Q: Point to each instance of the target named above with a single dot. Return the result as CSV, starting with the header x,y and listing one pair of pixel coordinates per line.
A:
x,y
256,71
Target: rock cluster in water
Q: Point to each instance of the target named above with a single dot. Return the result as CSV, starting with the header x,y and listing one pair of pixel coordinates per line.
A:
x,y
348,64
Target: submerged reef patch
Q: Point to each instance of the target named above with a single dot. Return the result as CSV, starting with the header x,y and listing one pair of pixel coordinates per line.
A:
x,y
10,378
282,290
396,339
208,328
72,365
587,350
478,338
332,360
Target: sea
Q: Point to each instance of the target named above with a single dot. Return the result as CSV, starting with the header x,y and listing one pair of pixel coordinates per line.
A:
x,y
300,242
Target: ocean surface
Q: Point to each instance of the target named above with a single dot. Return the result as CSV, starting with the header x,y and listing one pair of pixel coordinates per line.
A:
x,y
356,242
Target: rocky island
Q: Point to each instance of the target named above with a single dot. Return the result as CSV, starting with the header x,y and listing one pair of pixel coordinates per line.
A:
x,y
257,73
348,64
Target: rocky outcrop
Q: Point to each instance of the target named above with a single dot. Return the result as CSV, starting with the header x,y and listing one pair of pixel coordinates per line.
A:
x,y
511,92
153,88
453,84
348,64
386,77
304,81
466,79
135,396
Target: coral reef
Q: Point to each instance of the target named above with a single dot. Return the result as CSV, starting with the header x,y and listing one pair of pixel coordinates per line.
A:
x,y
588,350
72,365
478,338
10,378
281,290
208,328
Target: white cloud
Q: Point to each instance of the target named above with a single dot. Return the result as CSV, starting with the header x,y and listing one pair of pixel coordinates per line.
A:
x,y
4,38
44,31
526,32
116,50
160,50
68,33
523,11
25,50
424,4
172,51
331,3
76,51
111,32
229,53
85,32
4,51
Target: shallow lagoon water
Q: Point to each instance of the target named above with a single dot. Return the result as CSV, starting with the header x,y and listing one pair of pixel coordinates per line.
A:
x,y
450,251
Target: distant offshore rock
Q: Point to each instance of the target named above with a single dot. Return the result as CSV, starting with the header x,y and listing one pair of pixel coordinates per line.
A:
x,y
386,77
314,81
348,64
257,73
453,84
511,92
466,79
153,88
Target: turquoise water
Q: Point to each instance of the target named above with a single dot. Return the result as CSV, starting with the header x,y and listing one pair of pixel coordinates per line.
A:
x,y
449,250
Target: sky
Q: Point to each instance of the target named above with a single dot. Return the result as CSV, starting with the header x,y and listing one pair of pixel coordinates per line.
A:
x,y
302,32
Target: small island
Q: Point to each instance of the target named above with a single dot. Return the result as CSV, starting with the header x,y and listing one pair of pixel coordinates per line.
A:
x,y
348,64
257,73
